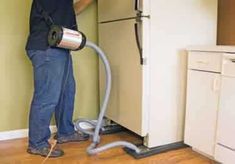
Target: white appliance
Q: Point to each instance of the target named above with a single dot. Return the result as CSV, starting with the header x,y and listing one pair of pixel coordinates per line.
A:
x,y
225,144
145,41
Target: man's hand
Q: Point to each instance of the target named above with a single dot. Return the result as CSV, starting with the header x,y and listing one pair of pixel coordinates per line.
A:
x,y
80,5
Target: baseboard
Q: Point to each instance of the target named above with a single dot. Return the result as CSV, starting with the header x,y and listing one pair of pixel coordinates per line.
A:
x,y
23,133
17,134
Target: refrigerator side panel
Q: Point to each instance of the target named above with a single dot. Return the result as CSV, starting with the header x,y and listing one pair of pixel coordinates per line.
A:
x,y
109,10
118,41
146,72
174,26
145,6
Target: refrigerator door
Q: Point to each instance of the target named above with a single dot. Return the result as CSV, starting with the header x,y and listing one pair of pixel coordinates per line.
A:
x,y
109,10
118,40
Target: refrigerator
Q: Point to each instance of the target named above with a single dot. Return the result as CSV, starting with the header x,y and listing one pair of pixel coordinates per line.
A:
x,y
145,42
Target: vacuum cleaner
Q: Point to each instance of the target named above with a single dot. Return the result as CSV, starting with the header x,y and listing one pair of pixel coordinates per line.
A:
x,y
75,40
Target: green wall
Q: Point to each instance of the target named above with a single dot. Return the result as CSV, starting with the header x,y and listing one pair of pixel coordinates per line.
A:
x,y
16,80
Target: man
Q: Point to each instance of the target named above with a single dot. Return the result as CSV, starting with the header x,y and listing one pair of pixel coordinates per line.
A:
x,y
54,84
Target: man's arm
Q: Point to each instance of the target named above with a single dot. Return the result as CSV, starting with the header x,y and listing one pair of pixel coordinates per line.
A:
x,y
81,5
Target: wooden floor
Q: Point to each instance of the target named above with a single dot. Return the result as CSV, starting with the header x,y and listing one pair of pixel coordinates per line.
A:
x,y
14,152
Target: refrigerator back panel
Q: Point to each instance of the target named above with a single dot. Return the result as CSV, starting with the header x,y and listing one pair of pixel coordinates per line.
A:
x,y
109,10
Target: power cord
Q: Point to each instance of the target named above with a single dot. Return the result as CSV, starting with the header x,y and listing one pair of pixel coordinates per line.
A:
x,y
53,144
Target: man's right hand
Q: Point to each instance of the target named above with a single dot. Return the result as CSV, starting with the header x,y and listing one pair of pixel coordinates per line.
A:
x,y
80,5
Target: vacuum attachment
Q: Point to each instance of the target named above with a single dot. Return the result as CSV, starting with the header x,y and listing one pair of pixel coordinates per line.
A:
x,y
66,38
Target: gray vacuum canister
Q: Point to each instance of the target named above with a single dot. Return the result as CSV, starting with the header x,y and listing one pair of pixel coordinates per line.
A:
x,y
65,38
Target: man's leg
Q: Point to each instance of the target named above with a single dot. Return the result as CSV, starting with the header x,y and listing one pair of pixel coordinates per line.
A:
x,y
65,108
49,67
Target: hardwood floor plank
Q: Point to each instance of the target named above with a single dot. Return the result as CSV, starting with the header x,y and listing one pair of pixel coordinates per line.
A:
x,y
14,152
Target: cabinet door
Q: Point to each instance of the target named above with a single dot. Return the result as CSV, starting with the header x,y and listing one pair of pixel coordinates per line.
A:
x,y
201,110
226,121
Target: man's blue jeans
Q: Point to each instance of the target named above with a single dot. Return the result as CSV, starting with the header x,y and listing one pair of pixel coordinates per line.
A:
x,y
54,91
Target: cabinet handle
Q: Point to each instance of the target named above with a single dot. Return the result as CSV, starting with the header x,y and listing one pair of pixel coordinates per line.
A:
x,y
233,60
202,62
216,84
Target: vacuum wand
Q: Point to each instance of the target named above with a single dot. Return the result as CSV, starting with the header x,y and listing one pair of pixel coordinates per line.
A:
x,y
74,40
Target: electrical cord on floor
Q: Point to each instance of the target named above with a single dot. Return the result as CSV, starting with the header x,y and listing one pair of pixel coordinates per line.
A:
x,y
53,144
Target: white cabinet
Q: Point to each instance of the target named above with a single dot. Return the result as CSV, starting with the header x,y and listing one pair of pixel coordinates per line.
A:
x,y
210,108
202,100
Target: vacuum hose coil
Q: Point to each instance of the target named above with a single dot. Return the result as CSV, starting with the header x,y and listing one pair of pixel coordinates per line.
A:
x,y
93,148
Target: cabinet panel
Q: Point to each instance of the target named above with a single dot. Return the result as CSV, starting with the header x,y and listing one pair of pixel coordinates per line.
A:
x,y
207,61
201,110
224,155
226,119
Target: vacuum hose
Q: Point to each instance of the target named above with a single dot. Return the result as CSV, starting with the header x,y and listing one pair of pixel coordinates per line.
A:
x,y
75,40
93,149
